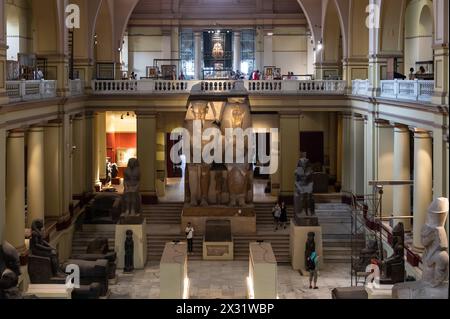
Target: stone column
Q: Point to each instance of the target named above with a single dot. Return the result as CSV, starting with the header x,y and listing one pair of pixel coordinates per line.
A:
x,y
441,61
198,63
369,153
3,48
236,51
101,144
423,182
78,162
358,155
54,169
146,152
268,49
35,175
385,160
346,153
88,157
2,182
58,69
15,190
332,144
354,68
290,151
402,172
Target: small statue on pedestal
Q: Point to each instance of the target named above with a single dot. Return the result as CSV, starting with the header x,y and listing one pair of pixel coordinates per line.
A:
x,y
9,272
303,193
131,188
394,267
129,252
435,259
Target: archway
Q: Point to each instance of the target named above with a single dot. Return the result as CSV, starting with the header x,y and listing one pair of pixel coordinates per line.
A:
x,y
419,35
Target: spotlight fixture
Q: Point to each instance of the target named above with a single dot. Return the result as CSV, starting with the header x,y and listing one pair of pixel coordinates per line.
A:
x,y
319,45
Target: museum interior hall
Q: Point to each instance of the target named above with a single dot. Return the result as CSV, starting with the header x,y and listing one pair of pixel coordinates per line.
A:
x,y
224,149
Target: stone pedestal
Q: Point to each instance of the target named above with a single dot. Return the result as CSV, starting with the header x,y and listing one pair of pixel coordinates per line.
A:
x,y
298,238
49,291
379,292
174,281
419,290
262,280
218,250
139,227
243,220
218,241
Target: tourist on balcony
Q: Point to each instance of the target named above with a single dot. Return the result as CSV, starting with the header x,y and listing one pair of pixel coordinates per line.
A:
x,y
412,76
181,77
133,76
39,74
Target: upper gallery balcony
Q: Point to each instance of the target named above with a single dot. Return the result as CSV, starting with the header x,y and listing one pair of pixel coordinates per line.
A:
x,y
408,90
219,87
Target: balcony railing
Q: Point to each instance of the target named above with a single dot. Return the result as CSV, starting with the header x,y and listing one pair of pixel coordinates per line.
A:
x,y
30,90
76,87
415,90
219,87
360,87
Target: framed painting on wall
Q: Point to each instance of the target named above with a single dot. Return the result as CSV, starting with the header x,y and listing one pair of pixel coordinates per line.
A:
x,y
169,72
152,72
269,72
123,156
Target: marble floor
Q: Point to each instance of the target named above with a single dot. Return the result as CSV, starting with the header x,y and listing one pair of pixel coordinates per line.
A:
x,y
226,280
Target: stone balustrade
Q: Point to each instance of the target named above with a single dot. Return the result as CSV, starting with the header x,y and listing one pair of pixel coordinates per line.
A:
x,y
415,90
76,87
361,87
18,91
219,87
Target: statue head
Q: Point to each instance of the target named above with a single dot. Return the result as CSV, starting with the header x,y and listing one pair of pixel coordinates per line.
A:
x,y
199,110
37,225
433,232
129,234
133,163
238,116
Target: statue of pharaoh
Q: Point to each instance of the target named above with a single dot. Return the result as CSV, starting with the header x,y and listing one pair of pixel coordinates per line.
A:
x,y
131,187
303,194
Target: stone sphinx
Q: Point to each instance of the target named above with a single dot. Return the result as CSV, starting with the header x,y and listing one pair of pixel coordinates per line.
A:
x,y
132,177
435,259
9,272
304,204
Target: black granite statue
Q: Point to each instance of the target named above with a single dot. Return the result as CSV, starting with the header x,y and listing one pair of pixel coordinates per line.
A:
x,y
366,255
39,247
304,204
393,268
9,272
310,247
129,252
132,177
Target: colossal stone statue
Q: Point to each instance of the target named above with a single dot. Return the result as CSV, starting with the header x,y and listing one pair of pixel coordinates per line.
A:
x,y
131,187
435,259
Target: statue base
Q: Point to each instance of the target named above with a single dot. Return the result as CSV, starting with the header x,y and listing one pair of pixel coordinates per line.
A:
x,y
419,290
242,219
138,225
306,221
218,242
298,238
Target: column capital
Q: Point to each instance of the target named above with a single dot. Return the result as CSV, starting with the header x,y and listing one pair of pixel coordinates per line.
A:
x,y
380,123
422,134
36,129
16,133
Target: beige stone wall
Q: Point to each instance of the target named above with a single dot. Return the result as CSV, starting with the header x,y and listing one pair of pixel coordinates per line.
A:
x,y
18,24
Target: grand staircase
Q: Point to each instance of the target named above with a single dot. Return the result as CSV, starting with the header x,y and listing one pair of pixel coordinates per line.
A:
x,y
164,226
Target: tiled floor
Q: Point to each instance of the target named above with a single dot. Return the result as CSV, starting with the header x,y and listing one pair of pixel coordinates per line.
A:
x,y
226,280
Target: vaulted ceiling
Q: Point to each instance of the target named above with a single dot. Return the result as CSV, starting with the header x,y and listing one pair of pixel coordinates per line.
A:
x,y
208,9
